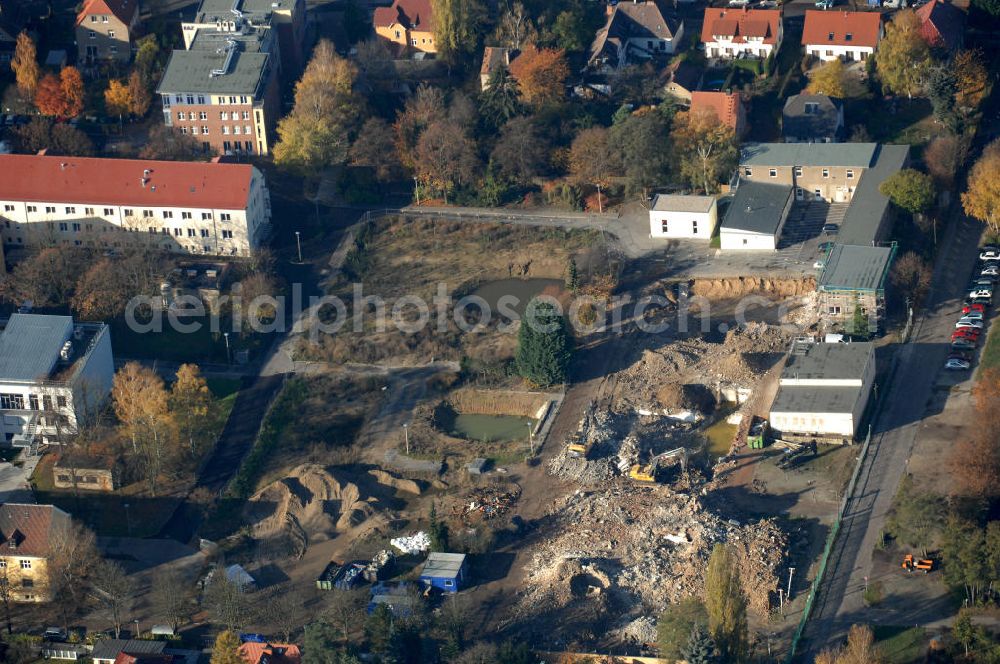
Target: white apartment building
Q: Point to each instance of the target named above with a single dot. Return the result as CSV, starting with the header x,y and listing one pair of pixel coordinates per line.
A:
x,y
53,373
741,33
693,217
185,207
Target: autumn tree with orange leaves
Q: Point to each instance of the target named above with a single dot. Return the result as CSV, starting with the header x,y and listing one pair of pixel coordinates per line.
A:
x,y
541,74
974,460
61,96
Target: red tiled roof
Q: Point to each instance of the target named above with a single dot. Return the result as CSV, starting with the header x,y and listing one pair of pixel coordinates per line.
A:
x,y
29,527
128,658
943,24
833,28
412,14
738,24
725,105
270,653
123,10
119,182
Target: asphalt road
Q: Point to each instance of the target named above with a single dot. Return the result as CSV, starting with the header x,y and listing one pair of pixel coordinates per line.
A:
x,y
840,603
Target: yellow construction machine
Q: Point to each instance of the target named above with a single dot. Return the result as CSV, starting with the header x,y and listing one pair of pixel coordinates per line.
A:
x,y
649,473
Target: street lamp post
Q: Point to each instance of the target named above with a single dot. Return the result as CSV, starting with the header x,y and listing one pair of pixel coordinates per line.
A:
x,y
298,244
416,189
531,439
406,437
229,359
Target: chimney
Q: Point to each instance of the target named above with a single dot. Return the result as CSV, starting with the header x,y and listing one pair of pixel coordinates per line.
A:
x,y
143,182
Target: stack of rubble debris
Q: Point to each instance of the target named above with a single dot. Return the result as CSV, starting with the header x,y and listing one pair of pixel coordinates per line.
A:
x,y
599,439
490,502
645,548
746,353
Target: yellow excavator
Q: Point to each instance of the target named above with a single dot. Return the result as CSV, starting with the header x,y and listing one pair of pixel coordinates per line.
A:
x,y
648,474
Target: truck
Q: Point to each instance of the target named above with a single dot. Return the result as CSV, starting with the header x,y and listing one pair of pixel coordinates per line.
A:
x,y
757,435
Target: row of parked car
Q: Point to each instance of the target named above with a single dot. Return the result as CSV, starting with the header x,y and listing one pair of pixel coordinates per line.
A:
x,y
969,328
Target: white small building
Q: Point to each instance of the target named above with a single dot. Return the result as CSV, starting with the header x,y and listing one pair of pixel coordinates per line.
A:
x,y
824,389
53,373
755,217
692,217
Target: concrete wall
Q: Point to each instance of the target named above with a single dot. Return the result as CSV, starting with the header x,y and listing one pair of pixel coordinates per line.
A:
x,y
837,424
827,52
834,184
736,240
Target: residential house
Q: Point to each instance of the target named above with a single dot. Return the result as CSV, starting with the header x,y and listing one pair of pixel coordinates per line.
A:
x,y
9,29
28,537
673,216
756,216
852,284
186,207
824,390
224,92
105,30
80,471
494,58
281,22
53,373
407,23
685,79
727,106
444,571
270,653
943,25
106,651
741,33
810,118
850,36
636,31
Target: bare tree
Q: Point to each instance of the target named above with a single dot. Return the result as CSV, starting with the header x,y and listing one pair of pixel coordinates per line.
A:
x,y
226,601
6,596
281,609
169,598
114,591
345,612
72,561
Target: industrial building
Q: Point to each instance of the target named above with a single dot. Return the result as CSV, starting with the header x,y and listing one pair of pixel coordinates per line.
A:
x,y
444,571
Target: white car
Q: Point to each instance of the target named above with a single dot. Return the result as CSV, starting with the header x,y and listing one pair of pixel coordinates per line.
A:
x,y
991,271
981,292
973,315
990,254
819,265
955,364
968,322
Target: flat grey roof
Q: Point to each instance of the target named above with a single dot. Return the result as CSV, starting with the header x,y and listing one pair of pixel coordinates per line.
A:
x,y
757,207
211,10
188,71
868,205
808,154
829,361
854,267
30,345
677,203
807,399
210,40
443,565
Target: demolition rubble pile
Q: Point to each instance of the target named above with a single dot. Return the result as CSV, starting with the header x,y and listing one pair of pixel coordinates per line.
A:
x,y
646,548
598,436
746,354
489,502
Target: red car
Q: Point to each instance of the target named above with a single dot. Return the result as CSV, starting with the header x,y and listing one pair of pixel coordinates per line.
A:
x,y
981,308
969,333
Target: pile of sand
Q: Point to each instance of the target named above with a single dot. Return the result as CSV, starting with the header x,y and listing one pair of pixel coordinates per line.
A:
x,y
311,504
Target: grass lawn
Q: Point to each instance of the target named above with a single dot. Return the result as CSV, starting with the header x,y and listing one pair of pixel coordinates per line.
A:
x,y
168,344
990,357
912,123
901,645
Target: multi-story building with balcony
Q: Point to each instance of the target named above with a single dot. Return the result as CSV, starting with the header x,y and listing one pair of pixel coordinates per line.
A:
x,y
185,207
54,374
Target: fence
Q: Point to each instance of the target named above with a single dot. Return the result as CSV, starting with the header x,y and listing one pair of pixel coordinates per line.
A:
x,y
830,541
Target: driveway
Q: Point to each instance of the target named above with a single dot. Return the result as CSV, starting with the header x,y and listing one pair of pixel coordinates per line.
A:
x,y
14,486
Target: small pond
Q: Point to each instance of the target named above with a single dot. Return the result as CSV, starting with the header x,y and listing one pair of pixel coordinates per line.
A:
x,y
486,428
522,289
720,436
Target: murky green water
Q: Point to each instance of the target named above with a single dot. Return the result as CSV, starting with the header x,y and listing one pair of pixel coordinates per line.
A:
x,y
720,438
491,428
522,289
